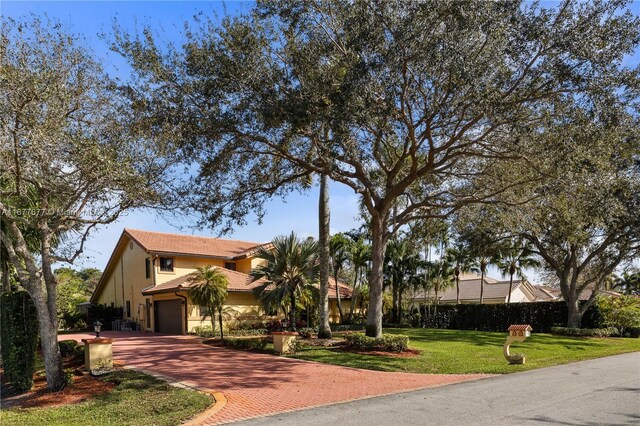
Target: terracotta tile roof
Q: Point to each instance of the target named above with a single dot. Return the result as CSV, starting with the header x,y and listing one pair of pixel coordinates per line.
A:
x,y
520,327
470,290
345,291
160,242
238,282
545,294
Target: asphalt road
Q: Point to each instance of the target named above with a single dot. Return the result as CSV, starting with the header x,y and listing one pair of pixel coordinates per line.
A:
x,y
596,392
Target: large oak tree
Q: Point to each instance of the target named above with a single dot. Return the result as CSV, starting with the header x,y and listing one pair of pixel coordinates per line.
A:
x,y
412,105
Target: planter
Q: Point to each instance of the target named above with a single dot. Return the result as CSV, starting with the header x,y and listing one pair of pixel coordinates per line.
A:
x,y
282,341
98,355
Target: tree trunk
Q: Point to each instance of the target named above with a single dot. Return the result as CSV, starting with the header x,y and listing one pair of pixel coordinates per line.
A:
x,y
574,317
353,297
212,312
324,329
435,305
293,310
220,320
48,327
378,247
399,305
394,300
338,298
481,286
510,288
458,289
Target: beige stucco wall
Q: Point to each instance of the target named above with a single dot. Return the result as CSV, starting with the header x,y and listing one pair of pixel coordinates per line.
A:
x,y
125,281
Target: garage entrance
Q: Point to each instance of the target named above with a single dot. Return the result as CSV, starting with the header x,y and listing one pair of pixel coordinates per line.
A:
x,y
168,316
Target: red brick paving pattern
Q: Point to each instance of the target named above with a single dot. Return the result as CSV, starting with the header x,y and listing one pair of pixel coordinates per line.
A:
x,y
259,384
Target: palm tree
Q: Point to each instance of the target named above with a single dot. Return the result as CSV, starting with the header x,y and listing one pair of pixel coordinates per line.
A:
x,y
514,259
628,282
339,248
482,261
459,257
441,274
208,287
359,256
324,329
291,266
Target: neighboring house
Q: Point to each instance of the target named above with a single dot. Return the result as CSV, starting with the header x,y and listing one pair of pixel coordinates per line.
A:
x,y
495,291
147,275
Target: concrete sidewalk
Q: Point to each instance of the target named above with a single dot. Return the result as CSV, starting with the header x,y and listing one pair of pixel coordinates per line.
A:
x,y
603,391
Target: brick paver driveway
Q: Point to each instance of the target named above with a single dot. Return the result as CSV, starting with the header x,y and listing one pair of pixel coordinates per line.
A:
x,y
259,384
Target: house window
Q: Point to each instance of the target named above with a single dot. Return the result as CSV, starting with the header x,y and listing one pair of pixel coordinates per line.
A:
x,y
204,311
147,267
128,309
166,264
230,265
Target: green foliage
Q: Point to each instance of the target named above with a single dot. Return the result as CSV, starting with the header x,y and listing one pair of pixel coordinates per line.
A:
x,y
203,331
19,338
249,343
585,332
74,287
542,316
387,342
70,348
621,312
291,268
209,288
306,332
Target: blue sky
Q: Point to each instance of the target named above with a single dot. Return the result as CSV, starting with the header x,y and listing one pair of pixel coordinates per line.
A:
x,y
90,18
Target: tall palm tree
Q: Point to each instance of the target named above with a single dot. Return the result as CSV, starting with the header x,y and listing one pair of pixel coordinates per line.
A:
x,y
291,266
208,287
339,249
460,258
440,277
360,255
514,259
481,262
324,329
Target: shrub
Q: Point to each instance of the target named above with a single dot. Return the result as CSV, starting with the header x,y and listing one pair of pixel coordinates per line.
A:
x,y
203,331
586,332
246,343
70,348
634,332
19,338
622,312
387,343
249,332
306,333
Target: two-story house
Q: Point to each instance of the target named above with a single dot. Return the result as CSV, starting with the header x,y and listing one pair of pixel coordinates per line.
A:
x,y
148,276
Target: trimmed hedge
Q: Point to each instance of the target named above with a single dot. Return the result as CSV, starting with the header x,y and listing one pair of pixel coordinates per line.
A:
x,y
387,343
246,343
19,336
586,332
542,316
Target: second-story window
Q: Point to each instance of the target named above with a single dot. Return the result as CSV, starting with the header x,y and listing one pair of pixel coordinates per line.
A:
x,y
147,267
230,265
166,264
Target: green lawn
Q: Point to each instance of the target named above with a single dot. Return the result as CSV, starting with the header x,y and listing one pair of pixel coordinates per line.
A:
x,y
453,351
138,399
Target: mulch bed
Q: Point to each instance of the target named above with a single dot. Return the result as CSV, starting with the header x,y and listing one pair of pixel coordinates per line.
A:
x,y
83,387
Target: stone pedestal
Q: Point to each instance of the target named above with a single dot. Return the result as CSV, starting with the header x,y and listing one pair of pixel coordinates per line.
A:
x,y
282,341
98,355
